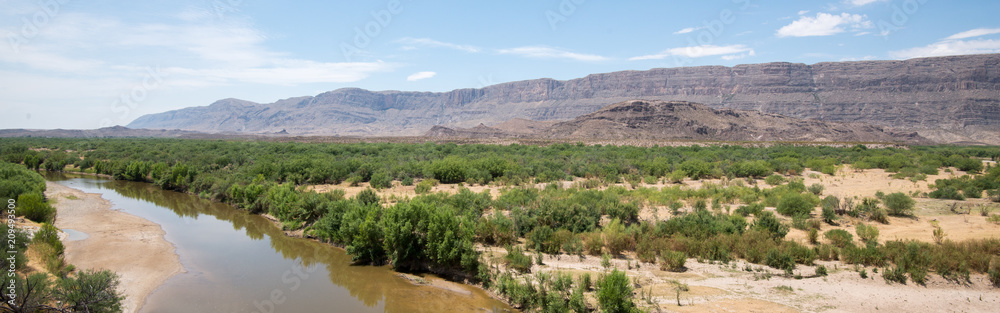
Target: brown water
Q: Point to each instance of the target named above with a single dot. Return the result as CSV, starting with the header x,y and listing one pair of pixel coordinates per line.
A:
x,y
239,262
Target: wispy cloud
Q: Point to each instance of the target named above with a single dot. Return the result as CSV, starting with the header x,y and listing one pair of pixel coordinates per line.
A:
x,y
974,33
824,24
688,30
730,52
543,52
412,43
949,47
420,75
859,3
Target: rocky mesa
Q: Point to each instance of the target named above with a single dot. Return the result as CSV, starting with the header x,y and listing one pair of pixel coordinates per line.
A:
x,y
945,99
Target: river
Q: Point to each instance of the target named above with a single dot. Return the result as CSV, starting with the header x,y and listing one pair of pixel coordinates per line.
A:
x,y
242,263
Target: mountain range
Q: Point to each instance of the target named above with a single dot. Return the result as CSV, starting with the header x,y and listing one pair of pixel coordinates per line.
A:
x,y
950,99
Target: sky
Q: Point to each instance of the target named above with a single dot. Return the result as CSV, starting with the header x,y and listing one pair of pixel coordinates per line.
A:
x,y
86,64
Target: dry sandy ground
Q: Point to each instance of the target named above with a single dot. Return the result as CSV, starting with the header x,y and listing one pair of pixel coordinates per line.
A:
x,y
729,288
126,244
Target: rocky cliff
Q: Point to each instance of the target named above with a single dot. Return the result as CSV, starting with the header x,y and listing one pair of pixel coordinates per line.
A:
x,y
947,99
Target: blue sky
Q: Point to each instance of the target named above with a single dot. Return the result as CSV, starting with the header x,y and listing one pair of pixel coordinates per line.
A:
x,y
86,64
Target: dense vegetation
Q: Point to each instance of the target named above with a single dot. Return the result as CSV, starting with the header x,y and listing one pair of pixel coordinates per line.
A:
x,y
439,231
89,291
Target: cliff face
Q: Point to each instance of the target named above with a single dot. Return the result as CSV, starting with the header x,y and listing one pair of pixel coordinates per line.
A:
x,y
947,99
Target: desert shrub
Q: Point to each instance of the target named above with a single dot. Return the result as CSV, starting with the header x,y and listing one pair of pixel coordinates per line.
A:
x,y
614,293
867,233
829,215
593,242
695,168
33,207
766,221
839,237
367,196
672,261
753,208
677,176
424,186
48,234
994,271
792,204
758,168
899,204
816,189
380,180
897,275
540,239
517,260
496,229
826,252
615,238
780,260
813,236
821,270
774,180
946,193
647,248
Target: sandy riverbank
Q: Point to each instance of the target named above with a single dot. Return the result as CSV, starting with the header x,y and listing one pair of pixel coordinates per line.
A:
x,y
127,244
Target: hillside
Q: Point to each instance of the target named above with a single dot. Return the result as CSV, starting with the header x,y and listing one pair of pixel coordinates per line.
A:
x,y
946,99
658,120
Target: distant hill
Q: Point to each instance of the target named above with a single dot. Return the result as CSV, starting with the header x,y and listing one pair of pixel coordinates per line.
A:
x,y
659,120
946,99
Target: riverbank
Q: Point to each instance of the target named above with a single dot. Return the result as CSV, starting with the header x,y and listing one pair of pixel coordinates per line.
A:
x,y
126,244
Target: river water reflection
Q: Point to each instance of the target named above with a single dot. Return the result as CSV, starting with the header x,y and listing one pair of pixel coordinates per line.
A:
x,y
239,262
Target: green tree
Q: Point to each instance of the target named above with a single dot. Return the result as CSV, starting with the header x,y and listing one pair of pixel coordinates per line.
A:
x,y
33,294
792,204
899,204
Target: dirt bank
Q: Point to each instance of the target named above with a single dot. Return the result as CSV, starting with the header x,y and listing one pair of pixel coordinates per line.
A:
x,y
126,244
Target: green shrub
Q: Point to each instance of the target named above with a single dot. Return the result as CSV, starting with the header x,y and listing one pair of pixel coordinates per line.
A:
x,y
380,180
813,236
816,189
517,260
946,193
867,233
33,207
424,186
614,293
753,208
897,275
839,237
792,204
367,196
774,180
696,168
899,204
994,271
766,221
593,242
780,260
821,270
672,261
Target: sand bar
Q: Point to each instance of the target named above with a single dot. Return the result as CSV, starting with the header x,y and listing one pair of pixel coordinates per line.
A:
x,y
126,244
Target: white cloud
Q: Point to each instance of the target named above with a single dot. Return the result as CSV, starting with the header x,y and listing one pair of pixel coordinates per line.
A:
x,y
974,33
954,45
949,47
688,30
859,3
427,42
420,75
698,51
551,53
824,24
803,12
